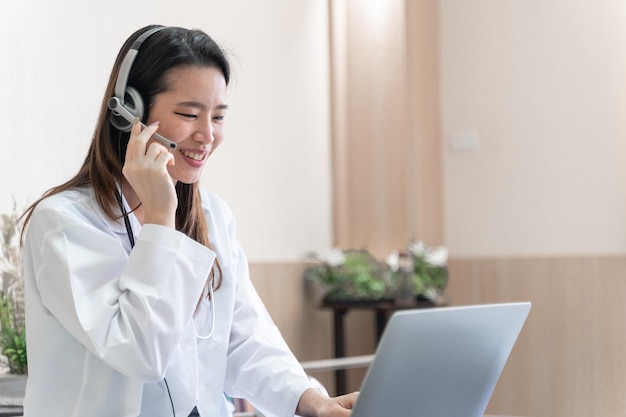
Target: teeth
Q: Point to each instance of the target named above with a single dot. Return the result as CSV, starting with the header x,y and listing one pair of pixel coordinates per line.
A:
x,y
195,156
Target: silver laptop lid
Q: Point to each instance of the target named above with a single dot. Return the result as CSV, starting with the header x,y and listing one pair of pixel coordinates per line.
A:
x,y
440,362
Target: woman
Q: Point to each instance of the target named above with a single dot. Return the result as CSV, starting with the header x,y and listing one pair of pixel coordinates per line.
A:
x,y
138,297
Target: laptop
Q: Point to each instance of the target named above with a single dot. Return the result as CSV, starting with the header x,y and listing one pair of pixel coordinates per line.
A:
x,y
440,362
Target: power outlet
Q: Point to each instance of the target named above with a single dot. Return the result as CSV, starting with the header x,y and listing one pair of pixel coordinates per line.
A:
x,y
464,141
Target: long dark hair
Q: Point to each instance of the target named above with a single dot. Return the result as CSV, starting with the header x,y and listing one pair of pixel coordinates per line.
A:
x,y
169,48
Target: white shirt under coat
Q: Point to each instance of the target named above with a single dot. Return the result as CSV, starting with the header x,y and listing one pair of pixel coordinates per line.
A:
x,y
106,325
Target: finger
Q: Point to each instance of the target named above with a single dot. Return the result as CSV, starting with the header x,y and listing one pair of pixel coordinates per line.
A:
x,y
134,131
159,154
165,156
139,138
348,400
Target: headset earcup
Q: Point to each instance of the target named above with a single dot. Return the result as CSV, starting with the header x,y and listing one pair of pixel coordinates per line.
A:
x,y
134,104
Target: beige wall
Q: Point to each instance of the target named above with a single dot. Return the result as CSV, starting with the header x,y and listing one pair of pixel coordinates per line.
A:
x,y
569,358
385,106
542,82
536,211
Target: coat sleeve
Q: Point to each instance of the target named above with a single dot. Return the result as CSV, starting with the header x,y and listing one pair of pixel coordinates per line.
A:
x,y
129,310
261,368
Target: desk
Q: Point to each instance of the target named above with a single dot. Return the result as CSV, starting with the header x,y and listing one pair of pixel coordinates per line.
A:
x,y
382,309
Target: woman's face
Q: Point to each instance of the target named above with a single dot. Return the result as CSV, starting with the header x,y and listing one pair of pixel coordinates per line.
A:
x,y
191,113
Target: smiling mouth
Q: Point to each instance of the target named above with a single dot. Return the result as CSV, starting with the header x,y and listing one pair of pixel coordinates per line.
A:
x,y
193,155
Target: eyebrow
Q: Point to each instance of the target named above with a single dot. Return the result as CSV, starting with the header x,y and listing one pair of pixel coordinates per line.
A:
x,y
198,105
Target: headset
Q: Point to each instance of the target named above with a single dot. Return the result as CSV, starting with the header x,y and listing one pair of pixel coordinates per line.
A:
x,y
127,105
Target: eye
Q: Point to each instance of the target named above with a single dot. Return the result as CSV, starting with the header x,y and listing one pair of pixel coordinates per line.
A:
x,y
219,118
187,115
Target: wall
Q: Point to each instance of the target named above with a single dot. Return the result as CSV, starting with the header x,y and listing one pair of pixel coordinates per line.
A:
x,y
274,165
387,172
387,179
531,98
542,85
569,358
536,210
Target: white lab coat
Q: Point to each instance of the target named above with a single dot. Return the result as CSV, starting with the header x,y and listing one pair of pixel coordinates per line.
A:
x,y
107,326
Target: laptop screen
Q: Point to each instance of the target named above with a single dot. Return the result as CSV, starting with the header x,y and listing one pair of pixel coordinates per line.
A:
x,y
440,362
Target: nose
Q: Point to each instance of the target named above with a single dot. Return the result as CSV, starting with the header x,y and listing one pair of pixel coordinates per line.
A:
x,y
205,133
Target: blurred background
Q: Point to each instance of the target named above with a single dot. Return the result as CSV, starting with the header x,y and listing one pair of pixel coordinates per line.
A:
x,y
494,128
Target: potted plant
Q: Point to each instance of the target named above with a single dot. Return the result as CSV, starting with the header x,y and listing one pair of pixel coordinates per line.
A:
x,y
12,326
420,271
349,275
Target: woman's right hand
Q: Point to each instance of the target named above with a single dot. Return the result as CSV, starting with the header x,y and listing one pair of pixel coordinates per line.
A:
x,y
145,169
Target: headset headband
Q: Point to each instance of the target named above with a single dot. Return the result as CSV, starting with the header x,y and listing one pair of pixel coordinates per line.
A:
x,y
122,78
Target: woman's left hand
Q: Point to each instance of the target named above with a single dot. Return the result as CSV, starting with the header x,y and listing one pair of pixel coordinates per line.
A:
x,y
314,404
